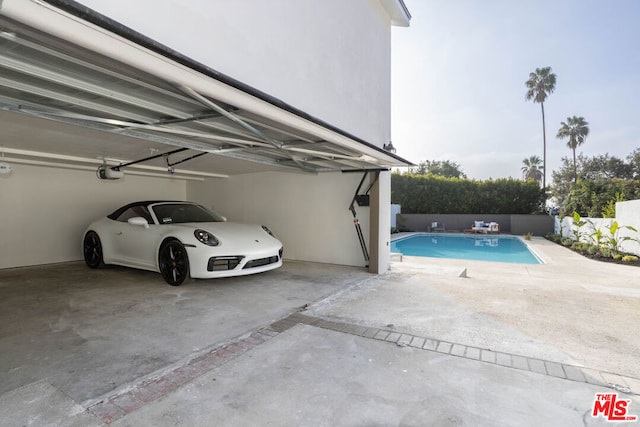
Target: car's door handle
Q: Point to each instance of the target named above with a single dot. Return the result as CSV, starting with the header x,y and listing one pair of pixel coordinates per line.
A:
x,y
119,233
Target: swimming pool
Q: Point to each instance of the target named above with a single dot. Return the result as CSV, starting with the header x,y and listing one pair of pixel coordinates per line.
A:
x,y
473,247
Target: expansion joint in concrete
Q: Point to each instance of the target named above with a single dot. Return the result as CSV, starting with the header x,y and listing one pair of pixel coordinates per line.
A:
x,y
564,371
133,398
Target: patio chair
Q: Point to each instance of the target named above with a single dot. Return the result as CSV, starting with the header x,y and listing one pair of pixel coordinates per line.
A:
x,y
494,228
437,226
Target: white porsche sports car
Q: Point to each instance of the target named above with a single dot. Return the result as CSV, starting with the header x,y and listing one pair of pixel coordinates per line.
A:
x,y
180,240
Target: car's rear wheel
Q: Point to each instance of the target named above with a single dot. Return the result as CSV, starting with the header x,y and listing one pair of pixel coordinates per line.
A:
x,y
174,263
92,250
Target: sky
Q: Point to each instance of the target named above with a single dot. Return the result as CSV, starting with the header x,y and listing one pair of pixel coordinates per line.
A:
x,y
459,72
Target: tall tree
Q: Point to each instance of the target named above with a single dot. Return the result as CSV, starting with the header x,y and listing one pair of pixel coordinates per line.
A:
x,y
634,163
446,168
541,83
532,168
600,168
576,129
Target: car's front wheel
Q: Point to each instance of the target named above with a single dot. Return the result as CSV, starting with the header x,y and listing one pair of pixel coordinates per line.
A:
x,y
92,250
174,263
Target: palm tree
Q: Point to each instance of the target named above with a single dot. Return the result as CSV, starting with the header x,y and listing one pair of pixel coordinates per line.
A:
x,y
532,168
576,129
540,84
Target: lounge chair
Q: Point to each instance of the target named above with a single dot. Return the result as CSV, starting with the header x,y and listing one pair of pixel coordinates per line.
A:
x,y
484,228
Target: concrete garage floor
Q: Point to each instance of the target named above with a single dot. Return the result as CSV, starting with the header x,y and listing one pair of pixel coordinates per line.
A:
x,y
509,345
89,331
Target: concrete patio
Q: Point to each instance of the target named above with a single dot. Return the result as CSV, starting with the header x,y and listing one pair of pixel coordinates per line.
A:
x,y
324,345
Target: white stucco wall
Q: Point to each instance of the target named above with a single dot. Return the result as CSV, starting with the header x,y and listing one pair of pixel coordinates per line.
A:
x,y
395,210
308,213
329,58
381,214
628,214
44,211
587,231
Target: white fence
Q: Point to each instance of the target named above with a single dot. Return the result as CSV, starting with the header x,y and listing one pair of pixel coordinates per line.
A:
x,y
627,214
395,210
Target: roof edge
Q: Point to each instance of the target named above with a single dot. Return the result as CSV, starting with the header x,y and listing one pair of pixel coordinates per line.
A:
x,y
85,13
398,12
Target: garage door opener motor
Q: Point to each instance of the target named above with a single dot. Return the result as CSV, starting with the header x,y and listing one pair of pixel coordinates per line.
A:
x,y
108,172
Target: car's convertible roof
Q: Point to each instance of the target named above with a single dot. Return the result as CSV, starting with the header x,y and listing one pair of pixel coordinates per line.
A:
x,y
119,211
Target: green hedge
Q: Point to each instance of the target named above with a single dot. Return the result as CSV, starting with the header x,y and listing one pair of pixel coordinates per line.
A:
x,y
435,194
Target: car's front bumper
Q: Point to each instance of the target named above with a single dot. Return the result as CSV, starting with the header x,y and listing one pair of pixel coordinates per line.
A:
x,y
205,265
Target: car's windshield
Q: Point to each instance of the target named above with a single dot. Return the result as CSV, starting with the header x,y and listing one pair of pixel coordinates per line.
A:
x,y
177,213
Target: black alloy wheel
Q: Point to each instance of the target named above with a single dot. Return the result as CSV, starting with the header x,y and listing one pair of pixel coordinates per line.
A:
x,y
174,263
92,250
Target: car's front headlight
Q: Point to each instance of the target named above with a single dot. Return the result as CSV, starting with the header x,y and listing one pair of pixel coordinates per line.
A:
x,y
206,237
265,228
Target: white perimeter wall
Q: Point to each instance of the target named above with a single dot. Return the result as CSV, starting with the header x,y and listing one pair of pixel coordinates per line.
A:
x,y
329,58
308,213
395,210
44,211
627,214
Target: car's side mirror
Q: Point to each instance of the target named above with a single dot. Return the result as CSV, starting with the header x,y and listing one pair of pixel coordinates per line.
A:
x,y
139,221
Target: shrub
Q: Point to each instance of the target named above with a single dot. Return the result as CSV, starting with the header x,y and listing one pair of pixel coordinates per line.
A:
x,y
553,237
402,226
605,252
584,247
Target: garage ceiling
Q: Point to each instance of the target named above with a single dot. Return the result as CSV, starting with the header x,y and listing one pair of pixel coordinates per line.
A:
x,y
65,103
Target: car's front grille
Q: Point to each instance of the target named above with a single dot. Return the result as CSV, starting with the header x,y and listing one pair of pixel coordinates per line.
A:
x,y
262,261
223,263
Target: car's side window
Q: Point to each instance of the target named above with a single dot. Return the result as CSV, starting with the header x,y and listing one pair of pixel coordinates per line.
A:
x,y
133,212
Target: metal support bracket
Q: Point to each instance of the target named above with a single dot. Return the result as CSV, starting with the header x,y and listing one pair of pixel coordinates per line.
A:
x,y
356,222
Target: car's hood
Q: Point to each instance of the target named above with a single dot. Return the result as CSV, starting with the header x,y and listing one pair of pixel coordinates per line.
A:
x,y
232,233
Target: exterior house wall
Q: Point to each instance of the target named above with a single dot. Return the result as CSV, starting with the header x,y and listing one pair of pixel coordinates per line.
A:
x,y
329,58
381,215
54,206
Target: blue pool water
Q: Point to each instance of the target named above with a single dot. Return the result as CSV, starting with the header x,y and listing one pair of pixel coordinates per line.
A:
x,y
473,247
